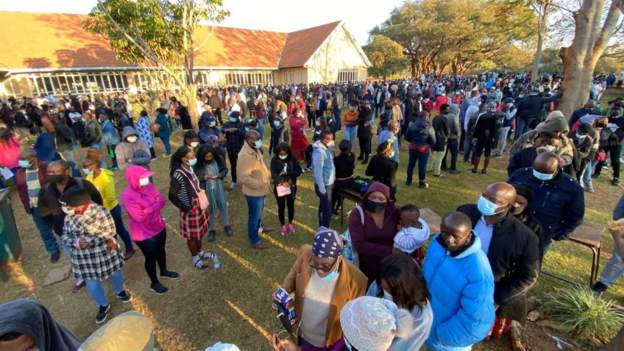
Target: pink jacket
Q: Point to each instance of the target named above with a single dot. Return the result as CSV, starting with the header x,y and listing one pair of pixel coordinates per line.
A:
x,y
143,205
9,153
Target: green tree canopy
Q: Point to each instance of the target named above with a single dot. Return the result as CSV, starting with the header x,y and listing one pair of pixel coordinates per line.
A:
x,y
456,35
386,56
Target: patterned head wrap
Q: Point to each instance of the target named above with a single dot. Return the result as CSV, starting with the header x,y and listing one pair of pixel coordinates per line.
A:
x,y
327,243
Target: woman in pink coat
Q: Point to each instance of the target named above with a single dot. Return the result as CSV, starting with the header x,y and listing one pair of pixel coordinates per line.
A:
x,y
143,203
299,142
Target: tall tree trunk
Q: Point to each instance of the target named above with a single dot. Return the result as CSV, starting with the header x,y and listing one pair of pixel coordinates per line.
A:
x,y
413,65
590,42
542,31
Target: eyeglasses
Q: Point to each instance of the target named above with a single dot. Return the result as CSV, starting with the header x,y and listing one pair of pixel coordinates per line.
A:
x,y
325,268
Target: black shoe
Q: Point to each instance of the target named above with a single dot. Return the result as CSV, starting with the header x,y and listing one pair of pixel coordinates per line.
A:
x,y
360,158
473,171
615,182
124,296
158,288
408,183
211,236
102,314
228,230
55,257
453,171
600,287
170,275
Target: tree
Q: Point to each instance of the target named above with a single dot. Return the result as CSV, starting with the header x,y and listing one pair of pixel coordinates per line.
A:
x,y
596,22
386,56
456,35
157,34
543,9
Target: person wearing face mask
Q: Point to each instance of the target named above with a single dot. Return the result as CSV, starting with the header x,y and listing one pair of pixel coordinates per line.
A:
x,y
185,193
191,139
284,171
127,148
586,141
508,112
382,167
209,127
162,126
144,130
402,282
255,179
464,310
558,204
30,178
299,141
234,132
512,250
144,204
520,209
89,234
441,127
350,121
373,227
211,171
611,138
324,173
364,130
322,282
546,142
279,134
104,182
59,180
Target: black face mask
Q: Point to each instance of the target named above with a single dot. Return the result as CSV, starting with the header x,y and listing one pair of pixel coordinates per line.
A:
x,y
55,178
374,206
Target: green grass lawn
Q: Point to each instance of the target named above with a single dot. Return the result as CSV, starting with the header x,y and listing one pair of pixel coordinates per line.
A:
x,y
232,304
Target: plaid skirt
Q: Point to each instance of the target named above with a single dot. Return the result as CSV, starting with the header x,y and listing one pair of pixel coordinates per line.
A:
x,y
194,223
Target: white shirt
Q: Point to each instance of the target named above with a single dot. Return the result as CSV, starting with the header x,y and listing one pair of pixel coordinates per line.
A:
x,y
484,232
316,304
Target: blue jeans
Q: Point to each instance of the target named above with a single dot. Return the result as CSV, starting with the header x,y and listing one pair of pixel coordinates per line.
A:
x,y
613,269
350,132
422,158
521,127
96,290
165,141
261,127
49,241
255,206
586,176
325,205
337,119
120,228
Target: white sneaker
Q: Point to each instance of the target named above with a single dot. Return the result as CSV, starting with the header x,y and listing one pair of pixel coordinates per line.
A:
x,y
232,185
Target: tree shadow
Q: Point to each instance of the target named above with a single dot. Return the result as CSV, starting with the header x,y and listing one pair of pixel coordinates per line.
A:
x,y
37,62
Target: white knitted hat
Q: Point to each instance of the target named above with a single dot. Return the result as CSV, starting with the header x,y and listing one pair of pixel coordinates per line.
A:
x,y
223,347
410,239
371,324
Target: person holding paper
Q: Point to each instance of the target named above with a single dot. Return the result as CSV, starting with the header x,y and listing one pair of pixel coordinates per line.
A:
x,y
285,170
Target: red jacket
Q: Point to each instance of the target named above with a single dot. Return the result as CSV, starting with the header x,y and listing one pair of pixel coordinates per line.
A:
x,y
20,180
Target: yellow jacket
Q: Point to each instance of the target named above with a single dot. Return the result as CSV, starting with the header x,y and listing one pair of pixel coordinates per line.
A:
x,y
105,184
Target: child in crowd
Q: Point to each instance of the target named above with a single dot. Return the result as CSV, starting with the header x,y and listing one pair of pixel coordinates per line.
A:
x,y
412,234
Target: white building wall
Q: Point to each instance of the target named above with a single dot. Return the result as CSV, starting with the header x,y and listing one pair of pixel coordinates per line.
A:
x,y
337,54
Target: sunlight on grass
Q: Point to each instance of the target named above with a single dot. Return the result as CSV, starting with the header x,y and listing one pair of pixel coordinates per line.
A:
x,y
168,338
288,249
248,266
306,227
16,272
249,320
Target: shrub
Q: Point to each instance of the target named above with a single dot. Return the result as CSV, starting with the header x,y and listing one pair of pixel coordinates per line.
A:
x,y
585,314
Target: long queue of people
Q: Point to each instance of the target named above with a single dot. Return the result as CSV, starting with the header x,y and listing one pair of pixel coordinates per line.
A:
x,y
470,284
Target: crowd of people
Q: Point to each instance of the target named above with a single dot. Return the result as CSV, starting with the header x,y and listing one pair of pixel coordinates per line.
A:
x,y
400,286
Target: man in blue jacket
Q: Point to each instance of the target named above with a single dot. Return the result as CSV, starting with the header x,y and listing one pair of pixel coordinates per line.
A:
x,y
558,204
461,285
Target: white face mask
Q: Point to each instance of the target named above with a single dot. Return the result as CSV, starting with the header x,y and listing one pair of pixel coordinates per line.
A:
x,y
331,144
544,177
132,139
283,157
258,144
194,144
86,171
68,210
143,182
212,124
391,155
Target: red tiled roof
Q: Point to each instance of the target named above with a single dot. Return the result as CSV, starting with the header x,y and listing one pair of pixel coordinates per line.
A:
x,y
48,40
300,45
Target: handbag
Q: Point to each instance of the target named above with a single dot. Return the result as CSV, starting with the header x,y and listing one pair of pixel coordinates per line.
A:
x,y
202,198
283,190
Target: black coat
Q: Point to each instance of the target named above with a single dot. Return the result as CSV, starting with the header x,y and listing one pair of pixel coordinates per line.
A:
x,y
521,159
293,170
383,170
513,254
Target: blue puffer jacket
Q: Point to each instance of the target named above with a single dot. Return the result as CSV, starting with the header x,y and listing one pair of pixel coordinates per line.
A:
x,y
462,296
558,204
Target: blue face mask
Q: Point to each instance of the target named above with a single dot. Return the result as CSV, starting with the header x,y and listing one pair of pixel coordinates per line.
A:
x,y
486,207
544,177
330,276
24,163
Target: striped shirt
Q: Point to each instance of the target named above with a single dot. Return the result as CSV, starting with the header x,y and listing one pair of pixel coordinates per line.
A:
x,y
33,185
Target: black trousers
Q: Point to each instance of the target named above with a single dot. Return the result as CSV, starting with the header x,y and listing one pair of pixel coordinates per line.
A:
x,y
338,186
286,201
614,154
453,149
154,251
233,157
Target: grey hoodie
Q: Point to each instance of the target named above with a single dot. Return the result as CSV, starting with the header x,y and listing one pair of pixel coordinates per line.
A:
x,y
135,153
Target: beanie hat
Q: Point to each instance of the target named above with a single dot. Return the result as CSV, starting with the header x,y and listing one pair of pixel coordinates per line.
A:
x,y
553,124
223,347
554,114
410,239
371,324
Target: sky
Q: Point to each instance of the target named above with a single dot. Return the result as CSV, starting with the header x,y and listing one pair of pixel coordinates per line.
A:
x,y
360,16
